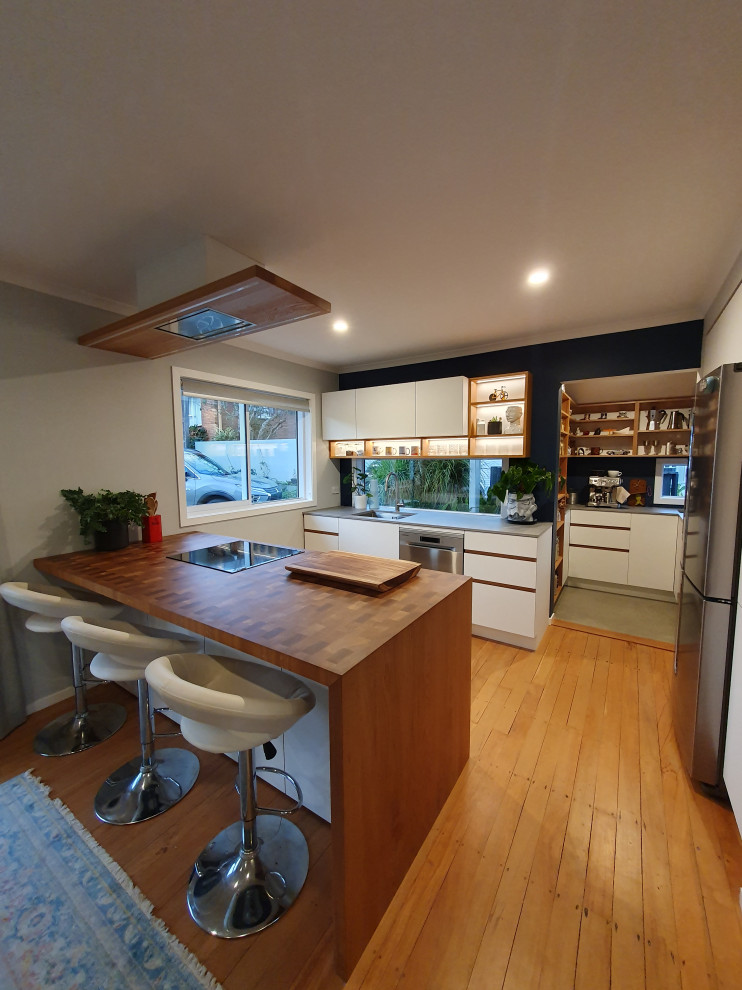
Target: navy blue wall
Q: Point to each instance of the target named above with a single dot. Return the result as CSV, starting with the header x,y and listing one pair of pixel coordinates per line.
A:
x,y
672,347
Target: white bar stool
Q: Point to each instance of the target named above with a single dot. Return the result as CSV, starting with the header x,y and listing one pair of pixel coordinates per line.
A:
x,y
88,725
250,873
151,783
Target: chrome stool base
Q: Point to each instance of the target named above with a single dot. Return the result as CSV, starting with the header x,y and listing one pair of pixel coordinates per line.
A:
x,y
235,892
73,732
135,792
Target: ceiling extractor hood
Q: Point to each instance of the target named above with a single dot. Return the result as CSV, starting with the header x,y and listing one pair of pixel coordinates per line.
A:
x,y
247,301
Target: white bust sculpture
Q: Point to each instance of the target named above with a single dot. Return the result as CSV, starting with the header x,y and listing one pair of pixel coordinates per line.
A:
x,y
513,420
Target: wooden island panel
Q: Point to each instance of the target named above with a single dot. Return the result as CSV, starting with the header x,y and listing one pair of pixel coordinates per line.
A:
x,y
397,667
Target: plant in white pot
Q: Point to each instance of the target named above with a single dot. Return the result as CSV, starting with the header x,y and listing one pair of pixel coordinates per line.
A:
x,y
515,489
358,480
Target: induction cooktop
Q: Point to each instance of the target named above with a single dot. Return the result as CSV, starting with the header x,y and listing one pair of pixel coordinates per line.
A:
x,y
235,555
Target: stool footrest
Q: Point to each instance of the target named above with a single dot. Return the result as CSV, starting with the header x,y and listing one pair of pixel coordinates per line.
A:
x,y
299,803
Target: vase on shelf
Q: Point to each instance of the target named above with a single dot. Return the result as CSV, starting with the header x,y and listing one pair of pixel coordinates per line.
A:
x,y
494,427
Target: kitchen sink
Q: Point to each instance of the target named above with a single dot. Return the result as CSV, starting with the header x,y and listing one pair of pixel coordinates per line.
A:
x,y
384,514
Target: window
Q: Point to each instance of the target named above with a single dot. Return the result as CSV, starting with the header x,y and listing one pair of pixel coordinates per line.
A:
x,y
455,484
670,479
241,448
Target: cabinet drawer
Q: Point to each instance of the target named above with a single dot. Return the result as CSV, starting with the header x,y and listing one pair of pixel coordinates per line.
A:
x,y
501,570
320,541
604,517
503,609
599,565
510,546
599,536
321,524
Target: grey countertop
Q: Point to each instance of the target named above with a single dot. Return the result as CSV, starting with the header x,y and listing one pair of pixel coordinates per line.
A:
x,y
644,510
477,522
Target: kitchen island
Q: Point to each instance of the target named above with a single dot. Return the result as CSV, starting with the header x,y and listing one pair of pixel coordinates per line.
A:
x,y
397,667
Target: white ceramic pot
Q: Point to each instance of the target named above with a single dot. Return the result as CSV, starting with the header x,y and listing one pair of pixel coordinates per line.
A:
x,y
360,501
521,510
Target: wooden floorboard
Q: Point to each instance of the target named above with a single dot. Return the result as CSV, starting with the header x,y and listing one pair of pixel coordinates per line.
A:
x,y
573,851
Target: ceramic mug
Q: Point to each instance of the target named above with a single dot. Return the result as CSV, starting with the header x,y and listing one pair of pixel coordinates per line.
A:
x,y
404,450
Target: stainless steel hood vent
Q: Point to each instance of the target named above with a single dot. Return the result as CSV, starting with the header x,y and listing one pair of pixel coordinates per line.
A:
x,y
249,301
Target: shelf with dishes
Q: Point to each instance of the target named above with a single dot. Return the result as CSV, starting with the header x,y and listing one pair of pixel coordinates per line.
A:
x,y
631,428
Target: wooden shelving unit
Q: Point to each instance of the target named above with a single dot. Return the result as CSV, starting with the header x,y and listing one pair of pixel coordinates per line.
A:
x,y
565,409
517,397
620,429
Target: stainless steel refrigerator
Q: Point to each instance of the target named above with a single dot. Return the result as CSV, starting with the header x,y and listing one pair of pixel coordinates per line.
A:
x,y
710,574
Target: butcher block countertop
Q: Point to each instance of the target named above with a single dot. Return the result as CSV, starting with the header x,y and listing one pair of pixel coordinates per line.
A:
x,y
318,631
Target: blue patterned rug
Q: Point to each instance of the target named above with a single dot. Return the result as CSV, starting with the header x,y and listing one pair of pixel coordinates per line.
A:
x,y
69,916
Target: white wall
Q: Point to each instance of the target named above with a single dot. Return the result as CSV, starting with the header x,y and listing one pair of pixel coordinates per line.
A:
x,y
71,415
722,344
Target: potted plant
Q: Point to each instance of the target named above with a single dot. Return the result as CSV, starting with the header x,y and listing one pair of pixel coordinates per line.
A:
x,y
358,480
515,489
106,515
494,426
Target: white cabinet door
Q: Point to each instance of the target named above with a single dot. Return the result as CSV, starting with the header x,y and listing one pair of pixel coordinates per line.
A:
x,y
610,537
442,407
385,411
594,564
501,570
339,415
376,539
652,551
503,610
321,541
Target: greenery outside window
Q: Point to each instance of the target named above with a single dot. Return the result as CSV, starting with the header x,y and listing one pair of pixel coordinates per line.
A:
x,y
241,448
454,484
670,480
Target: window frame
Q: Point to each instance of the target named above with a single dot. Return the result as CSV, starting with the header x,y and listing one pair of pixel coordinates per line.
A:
x,y
659,465
212,512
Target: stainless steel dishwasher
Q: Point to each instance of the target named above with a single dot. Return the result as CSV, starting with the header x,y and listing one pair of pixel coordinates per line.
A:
x,y
435,549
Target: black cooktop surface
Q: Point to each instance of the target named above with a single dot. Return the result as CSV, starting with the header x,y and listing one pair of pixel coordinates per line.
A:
x,y
236,555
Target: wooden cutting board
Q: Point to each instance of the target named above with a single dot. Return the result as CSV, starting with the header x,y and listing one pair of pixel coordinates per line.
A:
x,y
352,569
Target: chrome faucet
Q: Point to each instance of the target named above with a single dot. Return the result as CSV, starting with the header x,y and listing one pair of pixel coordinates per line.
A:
x,y
398,503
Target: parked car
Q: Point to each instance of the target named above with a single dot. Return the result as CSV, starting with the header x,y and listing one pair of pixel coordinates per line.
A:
x,y
264,486
207,481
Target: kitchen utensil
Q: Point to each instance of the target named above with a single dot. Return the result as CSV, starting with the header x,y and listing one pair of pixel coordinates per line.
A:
x,y
353,570
677,421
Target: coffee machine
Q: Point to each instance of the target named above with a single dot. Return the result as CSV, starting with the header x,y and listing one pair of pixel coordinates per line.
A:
x,y
602,489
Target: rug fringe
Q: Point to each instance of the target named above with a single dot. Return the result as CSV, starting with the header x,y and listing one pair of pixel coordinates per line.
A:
x,y
122,878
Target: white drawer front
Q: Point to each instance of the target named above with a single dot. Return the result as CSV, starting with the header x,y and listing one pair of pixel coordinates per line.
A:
x,y
320,541
513,546
598,565
599,536
603,518
503,609
503,570
321,524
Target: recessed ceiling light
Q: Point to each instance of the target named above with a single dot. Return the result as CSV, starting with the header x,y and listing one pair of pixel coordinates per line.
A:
x,y
539,276
340,326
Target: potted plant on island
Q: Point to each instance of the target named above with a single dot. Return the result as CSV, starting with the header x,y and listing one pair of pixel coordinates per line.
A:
x,y
106,515
358,481
515,488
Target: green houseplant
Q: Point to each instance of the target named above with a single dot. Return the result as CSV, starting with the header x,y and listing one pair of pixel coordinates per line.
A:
x,y
515,489
105,515
358,481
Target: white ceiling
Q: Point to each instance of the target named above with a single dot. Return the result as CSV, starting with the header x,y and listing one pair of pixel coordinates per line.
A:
x,y
408,160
